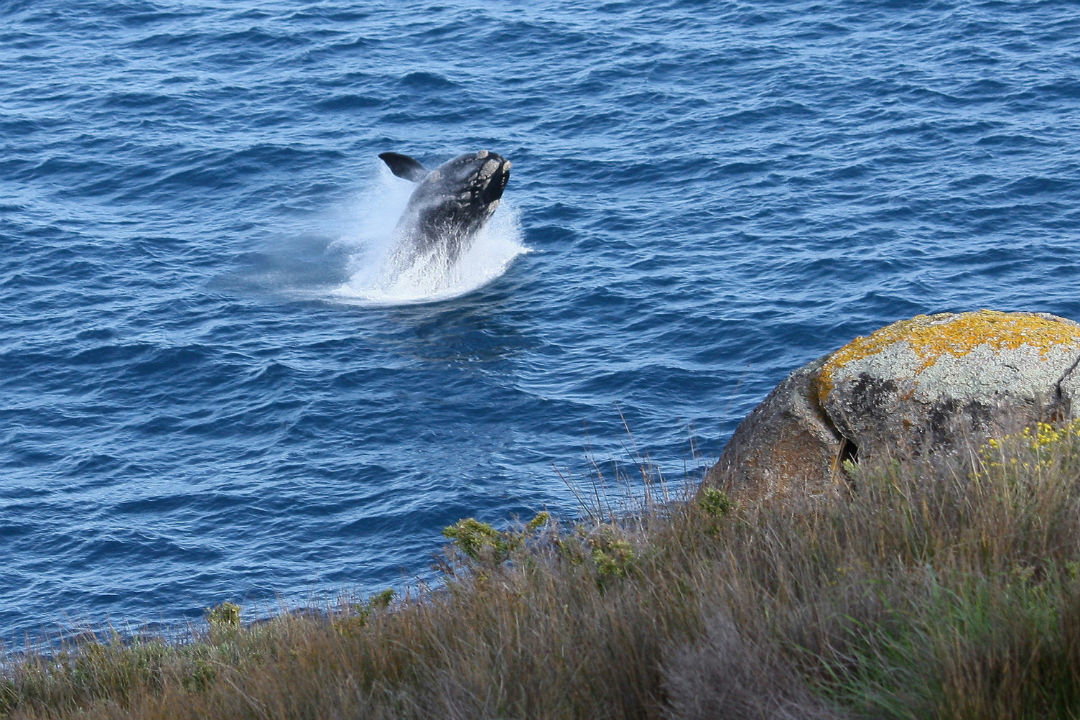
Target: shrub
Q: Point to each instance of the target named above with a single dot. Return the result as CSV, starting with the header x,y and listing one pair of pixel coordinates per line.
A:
x,y
225,615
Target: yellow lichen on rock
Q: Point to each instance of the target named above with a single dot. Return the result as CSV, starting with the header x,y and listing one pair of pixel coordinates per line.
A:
x,y
932,336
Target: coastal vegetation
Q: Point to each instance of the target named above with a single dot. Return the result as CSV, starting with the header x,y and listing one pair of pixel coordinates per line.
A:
x,y
943,588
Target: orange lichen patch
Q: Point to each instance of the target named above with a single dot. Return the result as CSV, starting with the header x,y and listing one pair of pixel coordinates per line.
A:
x,y
934,336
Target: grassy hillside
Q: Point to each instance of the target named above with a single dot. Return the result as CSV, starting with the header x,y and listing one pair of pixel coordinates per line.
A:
x,y
944,591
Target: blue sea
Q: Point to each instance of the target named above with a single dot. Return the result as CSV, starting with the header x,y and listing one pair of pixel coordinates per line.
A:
x,y
210,391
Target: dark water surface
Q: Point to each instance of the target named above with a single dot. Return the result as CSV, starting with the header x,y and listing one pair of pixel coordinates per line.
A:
x,y
203,399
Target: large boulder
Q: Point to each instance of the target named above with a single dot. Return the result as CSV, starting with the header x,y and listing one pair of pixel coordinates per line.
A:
x,y
914,387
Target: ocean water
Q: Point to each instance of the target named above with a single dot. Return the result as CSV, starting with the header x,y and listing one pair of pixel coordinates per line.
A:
x,y
211,390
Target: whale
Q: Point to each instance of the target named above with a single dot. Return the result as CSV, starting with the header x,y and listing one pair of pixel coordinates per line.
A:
x,y
449,205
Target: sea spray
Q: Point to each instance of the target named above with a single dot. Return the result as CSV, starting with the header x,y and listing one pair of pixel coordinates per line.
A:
x,y
380,276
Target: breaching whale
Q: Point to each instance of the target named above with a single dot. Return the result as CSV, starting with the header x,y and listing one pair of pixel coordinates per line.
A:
x,y
450,203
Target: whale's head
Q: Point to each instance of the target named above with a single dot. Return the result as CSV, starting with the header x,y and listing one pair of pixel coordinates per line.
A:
x,y
466,189
452,201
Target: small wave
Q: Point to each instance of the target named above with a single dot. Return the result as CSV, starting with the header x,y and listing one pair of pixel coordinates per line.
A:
x,y
426,81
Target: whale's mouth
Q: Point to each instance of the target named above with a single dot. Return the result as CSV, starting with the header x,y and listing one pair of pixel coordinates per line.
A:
x,y
495,173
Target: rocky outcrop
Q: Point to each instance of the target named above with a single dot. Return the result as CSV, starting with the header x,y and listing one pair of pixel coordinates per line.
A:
x,y
916,386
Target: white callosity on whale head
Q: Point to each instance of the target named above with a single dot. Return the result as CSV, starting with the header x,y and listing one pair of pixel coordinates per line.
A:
x,y
489,169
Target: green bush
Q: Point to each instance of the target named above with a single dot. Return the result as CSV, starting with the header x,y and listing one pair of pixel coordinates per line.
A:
x,y
225,615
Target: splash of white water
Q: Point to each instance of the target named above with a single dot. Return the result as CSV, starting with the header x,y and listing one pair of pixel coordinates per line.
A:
x,y
375,278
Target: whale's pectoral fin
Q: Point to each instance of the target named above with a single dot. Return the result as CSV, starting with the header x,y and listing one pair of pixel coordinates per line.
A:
x,y
404,166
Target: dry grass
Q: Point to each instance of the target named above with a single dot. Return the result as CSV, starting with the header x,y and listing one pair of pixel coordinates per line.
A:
x,y
933,590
